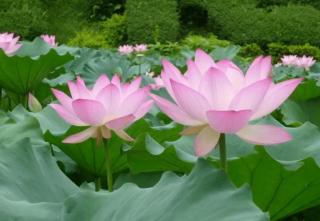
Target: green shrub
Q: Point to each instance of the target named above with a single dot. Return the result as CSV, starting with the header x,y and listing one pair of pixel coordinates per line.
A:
x,y
24,17
65,18
207,43
251,50
193,16
278,50
150,21
114,30
89,37
244,23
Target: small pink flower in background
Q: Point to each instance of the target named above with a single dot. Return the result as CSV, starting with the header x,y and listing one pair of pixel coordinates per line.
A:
x,y
140,48
109,105
305,62
50,39
125,49
8,43
295,61
213,98
158,83
289,60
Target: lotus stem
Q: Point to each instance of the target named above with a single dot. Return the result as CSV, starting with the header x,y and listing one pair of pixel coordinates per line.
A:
x,y
108,164
97,183
0,97
223,152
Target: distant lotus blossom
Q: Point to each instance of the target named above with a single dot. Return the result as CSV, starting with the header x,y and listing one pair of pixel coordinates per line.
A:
x,y
8,43
158,83
125,49
214,98
141,48
303,62
50,39
109,105
289,60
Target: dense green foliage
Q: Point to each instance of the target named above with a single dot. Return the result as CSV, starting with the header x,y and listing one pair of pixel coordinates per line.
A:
x,y
244,23
150,21
30,18
103,34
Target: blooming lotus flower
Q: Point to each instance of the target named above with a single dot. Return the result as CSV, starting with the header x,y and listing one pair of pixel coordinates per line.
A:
x,y
214,98
8,43
50,39
107,106
125,49
293,60
140,48
289,60
305,62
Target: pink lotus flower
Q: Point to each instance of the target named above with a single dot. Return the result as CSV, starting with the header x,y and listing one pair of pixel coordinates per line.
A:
x,y
141,48
295,61
8,43
289,60
213,98
125,49
305,62
50,39
107,106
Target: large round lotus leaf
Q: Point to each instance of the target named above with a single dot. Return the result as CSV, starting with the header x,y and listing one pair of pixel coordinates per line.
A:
x,y
21,74
33,188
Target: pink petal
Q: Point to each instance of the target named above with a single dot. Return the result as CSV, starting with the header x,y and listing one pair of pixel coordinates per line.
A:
x,y
275,96
190,101
203,61
89,111
131,103
193,75
67,116
228,121
171,72
122,134
264,134
73,90
143,109
110,98
63,99
174,112
233,72
82,136
170,69
251,96
101,82
121,122
217,89
205,141
116,80
135,84
82,89
260,68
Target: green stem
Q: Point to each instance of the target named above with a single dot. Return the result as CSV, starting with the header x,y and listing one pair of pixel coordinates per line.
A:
x,y
97,183
108,164
223,152
0,97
